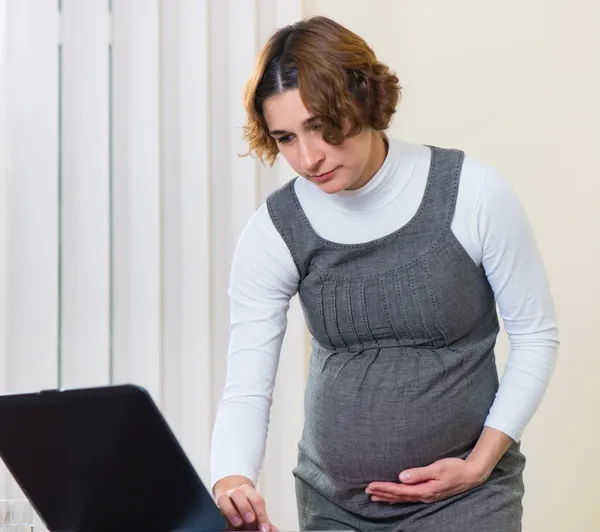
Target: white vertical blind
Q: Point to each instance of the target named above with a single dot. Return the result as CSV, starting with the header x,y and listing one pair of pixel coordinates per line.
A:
x,y
121,218
3,219
31,256
136,189
186,148
195,271
85,201
171,195
220,181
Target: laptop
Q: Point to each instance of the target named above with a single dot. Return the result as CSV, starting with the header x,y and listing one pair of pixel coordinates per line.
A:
x,y
102,459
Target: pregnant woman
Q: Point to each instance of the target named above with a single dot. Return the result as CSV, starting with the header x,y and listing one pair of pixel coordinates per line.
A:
x,y
400,254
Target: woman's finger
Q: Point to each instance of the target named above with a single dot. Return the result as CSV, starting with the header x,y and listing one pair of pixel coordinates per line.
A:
x,y
242,504
384,500
229,510
387,496
260,510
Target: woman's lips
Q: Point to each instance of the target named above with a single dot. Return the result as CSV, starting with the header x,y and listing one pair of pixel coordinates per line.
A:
x,y
324,177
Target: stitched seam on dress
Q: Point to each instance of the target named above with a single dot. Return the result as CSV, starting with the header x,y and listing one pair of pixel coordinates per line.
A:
x,y
386,308
412,262
403,308
434,304
455,177
418,306
426,198
281,229
335,313
363,310
322,313
350,316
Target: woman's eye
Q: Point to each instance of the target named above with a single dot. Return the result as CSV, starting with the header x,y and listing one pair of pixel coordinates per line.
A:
x,y
284,140
316,127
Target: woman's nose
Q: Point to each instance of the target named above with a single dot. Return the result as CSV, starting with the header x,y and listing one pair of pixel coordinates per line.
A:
x,y
311,157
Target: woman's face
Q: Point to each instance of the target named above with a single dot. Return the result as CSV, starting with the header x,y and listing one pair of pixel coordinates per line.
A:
x,y
333,168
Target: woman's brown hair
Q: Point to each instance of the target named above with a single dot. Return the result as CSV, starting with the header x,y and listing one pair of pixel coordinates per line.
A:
x,y
338,75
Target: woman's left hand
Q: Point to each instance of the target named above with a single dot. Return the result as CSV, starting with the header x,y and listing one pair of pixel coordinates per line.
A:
x,y
440,480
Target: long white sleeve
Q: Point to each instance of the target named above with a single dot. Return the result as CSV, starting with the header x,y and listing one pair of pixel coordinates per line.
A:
x,y
263,280
515,270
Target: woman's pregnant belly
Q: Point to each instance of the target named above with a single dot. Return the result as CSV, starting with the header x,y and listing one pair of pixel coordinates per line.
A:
x,y
369,415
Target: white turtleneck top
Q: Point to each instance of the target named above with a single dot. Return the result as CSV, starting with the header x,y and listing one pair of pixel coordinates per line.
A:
x,y
490,224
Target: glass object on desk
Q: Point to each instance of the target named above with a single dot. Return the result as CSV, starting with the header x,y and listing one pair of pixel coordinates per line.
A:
x,y
16,515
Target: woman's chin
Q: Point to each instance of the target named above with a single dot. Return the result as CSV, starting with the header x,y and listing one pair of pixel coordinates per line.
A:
x,y
332,186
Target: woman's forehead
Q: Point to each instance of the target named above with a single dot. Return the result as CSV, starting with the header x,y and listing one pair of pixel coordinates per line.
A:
x,y
285,110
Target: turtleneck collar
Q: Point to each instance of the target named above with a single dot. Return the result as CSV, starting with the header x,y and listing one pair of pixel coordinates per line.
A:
x,y
387,183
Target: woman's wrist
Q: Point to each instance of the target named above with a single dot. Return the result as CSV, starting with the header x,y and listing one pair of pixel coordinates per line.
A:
x,y
488,451
228,483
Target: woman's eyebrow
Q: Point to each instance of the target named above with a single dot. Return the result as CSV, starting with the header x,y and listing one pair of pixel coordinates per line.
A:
x,y
306,123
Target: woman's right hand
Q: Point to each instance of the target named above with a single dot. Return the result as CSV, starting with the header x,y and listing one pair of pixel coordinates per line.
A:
x,y
242,506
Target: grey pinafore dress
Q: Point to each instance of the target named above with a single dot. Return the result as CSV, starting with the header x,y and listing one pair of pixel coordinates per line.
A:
x,y
402,371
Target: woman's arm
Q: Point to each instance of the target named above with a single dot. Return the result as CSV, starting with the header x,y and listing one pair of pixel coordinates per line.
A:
x,y
263,280
516,273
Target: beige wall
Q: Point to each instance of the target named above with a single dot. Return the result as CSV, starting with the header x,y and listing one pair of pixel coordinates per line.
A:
x,y
517,84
